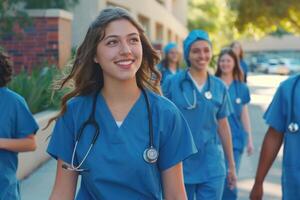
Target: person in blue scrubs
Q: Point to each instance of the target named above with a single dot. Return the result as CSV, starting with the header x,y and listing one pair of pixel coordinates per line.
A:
x,y
170,63
114,87
229,71
203,99
237,48
17,130
283,118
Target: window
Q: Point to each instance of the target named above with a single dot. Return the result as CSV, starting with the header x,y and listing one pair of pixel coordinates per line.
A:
x,y
145,23
169,35
161,2
159,32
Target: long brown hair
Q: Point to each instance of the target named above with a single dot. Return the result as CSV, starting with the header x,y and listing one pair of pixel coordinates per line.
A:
x,y
6,69
86,76
165,63
241,56
237,72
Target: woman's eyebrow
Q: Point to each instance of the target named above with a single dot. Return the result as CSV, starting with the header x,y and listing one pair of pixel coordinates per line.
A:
x,y
116,36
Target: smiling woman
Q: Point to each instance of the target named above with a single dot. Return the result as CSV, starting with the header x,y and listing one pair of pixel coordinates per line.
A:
x,y
120,52
114,128
203,100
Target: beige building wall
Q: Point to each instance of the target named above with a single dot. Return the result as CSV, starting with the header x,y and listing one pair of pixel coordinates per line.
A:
x,y
270,43
165,20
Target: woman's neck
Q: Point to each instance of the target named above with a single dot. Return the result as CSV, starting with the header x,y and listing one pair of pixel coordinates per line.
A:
x,y
172,66
120,96
199,76
227,78
120,91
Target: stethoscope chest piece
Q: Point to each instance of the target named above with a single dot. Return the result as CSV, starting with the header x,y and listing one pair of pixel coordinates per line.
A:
x,y
208,95
238,100
150,155
293,127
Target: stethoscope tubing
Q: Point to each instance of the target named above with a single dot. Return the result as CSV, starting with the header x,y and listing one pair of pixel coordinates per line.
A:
x,y
207,93
150,154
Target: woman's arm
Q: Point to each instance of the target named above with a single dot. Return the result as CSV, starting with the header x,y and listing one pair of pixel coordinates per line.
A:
x,y
19,145
247,127
65,184
225,135
173,184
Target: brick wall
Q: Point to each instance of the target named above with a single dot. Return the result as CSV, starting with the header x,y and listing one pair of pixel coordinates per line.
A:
x,y
46,41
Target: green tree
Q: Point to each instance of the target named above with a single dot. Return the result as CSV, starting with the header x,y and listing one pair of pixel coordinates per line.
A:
x,y
216,17
265,16
13,12
63,4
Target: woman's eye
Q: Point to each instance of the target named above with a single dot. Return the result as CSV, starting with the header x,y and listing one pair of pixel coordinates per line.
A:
x,y
195,51
112,42
134,40
207,50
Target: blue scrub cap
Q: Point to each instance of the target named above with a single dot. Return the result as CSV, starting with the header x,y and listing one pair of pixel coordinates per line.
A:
x,y
169,46
190,39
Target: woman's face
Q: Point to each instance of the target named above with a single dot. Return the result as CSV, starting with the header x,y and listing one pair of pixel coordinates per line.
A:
x,y
200,55
226,64
173,55
236,49
120,52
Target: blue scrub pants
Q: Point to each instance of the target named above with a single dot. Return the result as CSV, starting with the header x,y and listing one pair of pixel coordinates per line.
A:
x,y
211,190
229,194
291,184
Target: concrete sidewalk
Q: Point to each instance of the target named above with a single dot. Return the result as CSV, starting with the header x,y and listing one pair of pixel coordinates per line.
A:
x,y
38,186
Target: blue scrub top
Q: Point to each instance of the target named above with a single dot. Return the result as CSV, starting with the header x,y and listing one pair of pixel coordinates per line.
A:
x,y
116,165
203,122
238,89
16,121
165,73
278,117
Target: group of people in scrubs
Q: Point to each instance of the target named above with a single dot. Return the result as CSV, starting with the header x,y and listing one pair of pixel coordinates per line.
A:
x,y
134,128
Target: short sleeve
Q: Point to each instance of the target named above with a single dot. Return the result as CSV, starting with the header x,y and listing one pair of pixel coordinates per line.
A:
x,y
62,140
24,122
246,94
275,114
226,107
177,142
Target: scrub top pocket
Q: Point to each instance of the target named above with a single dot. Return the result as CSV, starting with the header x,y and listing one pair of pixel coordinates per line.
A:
x,y
215,160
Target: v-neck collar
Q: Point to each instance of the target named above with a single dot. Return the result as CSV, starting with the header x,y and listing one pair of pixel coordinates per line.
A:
x,y
129,115
195,85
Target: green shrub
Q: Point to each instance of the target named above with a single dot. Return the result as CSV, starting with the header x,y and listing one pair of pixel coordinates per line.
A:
x,y
36,88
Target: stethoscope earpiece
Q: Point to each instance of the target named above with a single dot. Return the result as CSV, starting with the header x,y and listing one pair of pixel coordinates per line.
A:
x,y
293,127
150,155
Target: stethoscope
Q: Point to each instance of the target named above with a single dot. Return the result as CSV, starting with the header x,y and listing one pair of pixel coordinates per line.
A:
x,y
293,126
207,93
150,154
